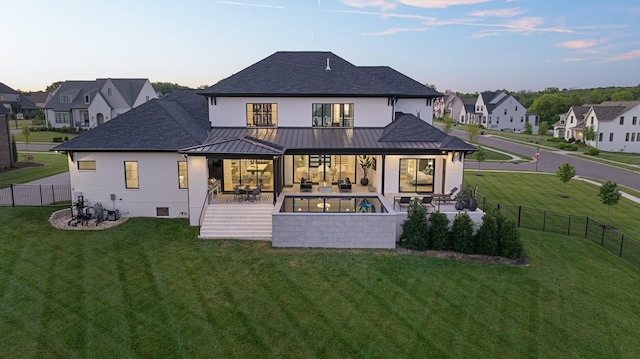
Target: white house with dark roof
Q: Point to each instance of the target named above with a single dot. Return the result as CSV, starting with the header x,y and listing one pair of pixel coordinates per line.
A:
x,y
502,112
290,123
616,126
87,104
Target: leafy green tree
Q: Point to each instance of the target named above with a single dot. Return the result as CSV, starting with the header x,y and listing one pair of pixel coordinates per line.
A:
x,y
609,195
565,172
595,97
480,155
473,132
624,95
462,233
26,133
528,129
447,124
550,106
543,128
53,86
438,230
414,229
589,133
164,88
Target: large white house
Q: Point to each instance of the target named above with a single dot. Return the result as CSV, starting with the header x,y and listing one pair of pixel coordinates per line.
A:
x,y
614,123
291,120
87,104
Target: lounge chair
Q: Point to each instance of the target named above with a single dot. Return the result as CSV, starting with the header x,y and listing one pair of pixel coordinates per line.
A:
x,y
448,197
427,201
402,202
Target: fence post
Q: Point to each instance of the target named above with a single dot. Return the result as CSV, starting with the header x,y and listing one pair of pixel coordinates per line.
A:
x,y
13,197
53,195
586,228
602,240
41,199
544,220
569,227
621,241
519,215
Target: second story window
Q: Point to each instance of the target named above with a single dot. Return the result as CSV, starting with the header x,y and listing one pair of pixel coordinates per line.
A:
x,y
65,99
622,120
87,99
262,114
332,115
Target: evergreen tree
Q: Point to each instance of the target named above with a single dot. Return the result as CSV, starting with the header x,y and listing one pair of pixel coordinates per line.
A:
x,y
438,231
14,149
414,229
510,243
462,233
487,236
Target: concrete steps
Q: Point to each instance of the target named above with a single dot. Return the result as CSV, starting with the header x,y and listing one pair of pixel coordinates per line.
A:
x,y
237,221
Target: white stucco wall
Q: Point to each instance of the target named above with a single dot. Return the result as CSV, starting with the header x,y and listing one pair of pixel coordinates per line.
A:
x,y
98,105
147,91
453,176
415,106
198,187
296,112
158,179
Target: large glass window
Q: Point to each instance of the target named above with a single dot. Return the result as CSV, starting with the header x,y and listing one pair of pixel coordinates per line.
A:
x,y
324,168
131,174
62,117
416,174
332,115
262,114
86,165
248,172
183,178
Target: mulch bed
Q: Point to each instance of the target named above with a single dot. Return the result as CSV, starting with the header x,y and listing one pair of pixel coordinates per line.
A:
x,y
522,261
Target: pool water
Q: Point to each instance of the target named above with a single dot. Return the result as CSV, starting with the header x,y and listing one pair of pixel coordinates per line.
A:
x,y
332,204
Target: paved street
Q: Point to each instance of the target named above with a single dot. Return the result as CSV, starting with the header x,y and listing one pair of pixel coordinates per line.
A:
x,y
550,160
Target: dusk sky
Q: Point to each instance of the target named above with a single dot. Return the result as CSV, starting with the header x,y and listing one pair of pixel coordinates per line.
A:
x,y
462,45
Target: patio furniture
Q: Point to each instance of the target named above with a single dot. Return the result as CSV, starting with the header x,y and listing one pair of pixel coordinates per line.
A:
x,y
306,185
236,194
427,201
402,202
255,193
344,185
448,197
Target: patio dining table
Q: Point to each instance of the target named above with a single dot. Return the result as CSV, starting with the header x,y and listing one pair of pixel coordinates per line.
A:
x,y
247,190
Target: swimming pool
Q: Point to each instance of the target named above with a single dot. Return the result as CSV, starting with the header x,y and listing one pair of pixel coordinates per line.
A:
x,y
332,204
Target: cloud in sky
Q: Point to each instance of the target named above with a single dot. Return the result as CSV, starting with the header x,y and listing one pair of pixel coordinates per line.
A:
x,y
498,13
427,4
635,54
575,59
579,44
236,3
395,30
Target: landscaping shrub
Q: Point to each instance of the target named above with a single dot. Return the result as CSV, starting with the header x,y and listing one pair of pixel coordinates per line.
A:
x,y
462,233
414,229
487,237
14,149
592,151
510,243
438,232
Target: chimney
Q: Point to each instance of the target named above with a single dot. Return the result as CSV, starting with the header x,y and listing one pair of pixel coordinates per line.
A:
x,y
328,67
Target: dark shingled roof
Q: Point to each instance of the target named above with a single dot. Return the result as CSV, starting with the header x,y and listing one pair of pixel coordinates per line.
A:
x,y
128,88
406,135
6,89
305,74
176,121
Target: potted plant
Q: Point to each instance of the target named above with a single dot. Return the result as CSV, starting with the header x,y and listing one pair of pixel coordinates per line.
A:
x,y
460,201
365,163
473,202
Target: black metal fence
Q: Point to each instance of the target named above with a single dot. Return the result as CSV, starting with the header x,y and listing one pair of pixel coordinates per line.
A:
x,y
34,195
577,226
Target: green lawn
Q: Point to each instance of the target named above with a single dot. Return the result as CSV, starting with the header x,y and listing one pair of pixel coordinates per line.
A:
x,y
149,288
21,124
544,192
43,136
53,164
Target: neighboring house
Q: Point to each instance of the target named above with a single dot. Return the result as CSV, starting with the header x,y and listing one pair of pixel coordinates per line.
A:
x,y
616,126
442,105
290,116
10,99
6,158
39,98
501,111
87,104
464,110
574,123
560,126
